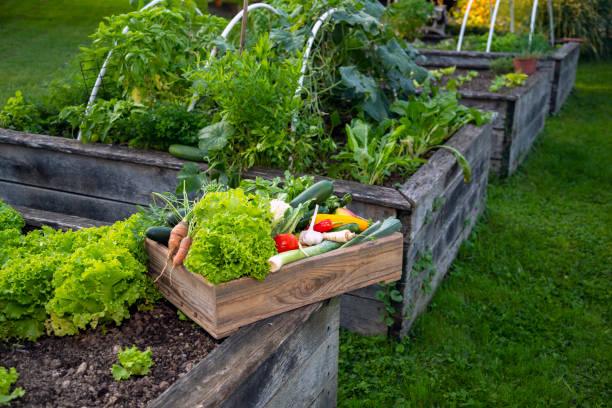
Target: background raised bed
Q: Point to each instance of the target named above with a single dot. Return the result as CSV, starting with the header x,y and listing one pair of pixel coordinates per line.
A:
x,y
564,60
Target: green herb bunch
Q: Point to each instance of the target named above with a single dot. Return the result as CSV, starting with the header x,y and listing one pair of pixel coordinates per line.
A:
x,y
253,95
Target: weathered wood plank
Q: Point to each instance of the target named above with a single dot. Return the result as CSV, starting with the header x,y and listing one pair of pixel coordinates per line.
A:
x,y
214,379
362,315
243,301
65,202
287,378
117,180
38,218
304,388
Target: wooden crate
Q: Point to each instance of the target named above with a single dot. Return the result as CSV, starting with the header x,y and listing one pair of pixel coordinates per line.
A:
x,y
223,308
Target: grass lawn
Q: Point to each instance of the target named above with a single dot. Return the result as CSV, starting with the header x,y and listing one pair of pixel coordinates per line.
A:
x,y
40,39
524,316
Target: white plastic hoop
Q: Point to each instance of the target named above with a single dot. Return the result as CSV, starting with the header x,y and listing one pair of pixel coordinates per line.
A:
x,y
463,24
492,27
532,25
309,43
98,83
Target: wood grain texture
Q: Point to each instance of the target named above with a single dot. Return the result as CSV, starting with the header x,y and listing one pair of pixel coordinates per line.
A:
x,y
38,218
299,369
65,202
221,309
216,378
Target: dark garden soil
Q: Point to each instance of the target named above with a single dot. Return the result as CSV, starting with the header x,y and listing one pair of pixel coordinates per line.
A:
x,y
75,371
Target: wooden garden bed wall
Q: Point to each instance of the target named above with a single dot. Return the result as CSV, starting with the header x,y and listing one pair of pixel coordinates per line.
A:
x,y
521,117
436,207
444,211
564,65
287,360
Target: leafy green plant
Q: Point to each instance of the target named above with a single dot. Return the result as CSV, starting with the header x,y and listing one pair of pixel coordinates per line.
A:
x,y
428,120
9,218
254,93
388,294
502,66
17,114
8,378
133,362
96,123
371,153
148,60
408,16
510,80
67,281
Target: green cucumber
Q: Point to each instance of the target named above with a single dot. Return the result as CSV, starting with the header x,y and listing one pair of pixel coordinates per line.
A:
x,y
319,192
159,234
187,152
351,227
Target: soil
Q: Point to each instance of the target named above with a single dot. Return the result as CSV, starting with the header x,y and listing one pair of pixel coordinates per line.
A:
x,y
483,81
75,371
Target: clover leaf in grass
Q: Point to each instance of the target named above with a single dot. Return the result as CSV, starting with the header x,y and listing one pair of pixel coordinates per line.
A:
x,y
133,362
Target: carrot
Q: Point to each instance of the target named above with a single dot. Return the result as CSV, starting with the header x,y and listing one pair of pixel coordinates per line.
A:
x,y
178,233
181,254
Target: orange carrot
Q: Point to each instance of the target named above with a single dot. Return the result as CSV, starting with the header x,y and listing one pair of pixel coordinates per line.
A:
x,y
181,254
177,234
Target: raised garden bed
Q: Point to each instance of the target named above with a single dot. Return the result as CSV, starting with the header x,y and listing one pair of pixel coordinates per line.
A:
x,y
289,359
436,207
564,65
521,114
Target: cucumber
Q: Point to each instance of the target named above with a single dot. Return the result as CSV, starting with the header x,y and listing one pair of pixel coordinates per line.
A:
x,y
351,227
159,234
319,192
172,219
187,152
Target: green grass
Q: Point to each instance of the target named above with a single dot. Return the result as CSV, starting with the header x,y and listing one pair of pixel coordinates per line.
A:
x,y
39,40
524,316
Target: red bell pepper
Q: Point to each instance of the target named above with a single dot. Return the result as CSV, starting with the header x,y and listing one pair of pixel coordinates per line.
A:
x,y
285,242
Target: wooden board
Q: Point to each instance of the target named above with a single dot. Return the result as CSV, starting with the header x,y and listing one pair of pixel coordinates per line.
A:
x,y
221,309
